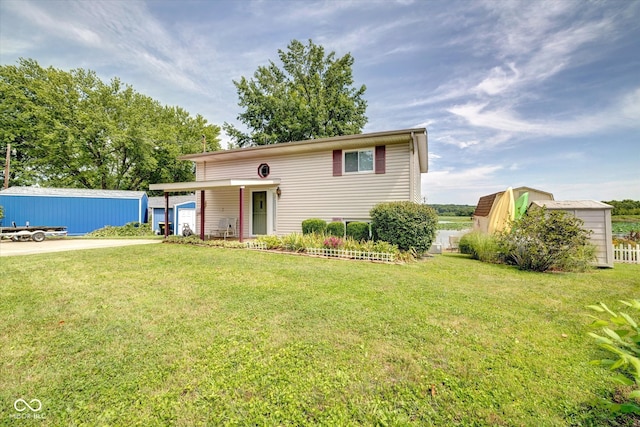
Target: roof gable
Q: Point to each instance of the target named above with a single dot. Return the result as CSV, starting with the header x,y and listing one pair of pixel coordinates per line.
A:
x,y
323,144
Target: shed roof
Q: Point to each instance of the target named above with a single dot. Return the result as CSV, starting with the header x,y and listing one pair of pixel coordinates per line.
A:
x,y
73,192
571,204
521,190
158,202
485,204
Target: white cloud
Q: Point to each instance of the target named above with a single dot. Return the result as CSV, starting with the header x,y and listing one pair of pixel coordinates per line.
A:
x,y
600,190
57,25
461,179
499,80
625,112
460,186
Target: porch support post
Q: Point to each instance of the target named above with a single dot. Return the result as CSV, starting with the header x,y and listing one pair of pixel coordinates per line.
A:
x,y
166,215
201,214
241,222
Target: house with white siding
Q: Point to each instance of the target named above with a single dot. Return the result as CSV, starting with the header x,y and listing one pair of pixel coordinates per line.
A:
x,y
271,189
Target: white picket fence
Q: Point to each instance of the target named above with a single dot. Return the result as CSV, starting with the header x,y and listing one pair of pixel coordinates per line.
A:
x,y
626,253
342,253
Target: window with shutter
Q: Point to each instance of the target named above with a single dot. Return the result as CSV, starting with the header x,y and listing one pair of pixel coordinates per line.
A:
x,y
380,159
337,162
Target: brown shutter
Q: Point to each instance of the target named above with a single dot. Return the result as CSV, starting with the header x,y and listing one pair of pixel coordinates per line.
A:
x,y
380,159
337,162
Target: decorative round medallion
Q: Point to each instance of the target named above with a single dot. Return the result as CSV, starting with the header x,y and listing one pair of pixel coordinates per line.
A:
x,y
263,170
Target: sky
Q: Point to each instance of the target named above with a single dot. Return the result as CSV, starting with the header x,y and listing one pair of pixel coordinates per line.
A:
x,y
512,93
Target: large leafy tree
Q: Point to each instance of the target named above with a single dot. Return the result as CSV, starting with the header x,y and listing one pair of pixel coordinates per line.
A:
x,y
312,96
70,129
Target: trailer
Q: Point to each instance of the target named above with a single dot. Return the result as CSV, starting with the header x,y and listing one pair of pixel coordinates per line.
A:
x,y
37,233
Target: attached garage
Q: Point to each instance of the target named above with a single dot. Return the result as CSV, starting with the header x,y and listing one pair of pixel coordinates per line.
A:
x,y
80,210
597,219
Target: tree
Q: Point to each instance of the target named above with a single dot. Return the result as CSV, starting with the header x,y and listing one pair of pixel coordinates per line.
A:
x,y
625,207
70,129
312,96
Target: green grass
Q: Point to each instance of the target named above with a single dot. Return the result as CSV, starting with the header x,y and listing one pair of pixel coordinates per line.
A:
x,y
183,335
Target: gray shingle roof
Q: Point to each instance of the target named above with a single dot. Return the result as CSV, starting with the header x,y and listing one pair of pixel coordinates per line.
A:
x,y
571,204
158,202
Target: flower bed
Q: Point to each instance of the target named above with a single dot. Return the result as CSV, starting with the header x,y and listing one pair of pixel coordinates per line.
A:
x,y
333,247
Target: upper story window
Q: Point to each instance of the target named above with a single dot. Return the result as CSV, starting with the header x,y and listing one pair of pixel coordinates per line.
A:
x,y
358,161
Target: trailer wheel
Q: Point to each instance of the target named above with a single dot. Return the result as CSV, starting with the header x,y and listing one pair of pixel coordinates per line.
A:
x,y
38,236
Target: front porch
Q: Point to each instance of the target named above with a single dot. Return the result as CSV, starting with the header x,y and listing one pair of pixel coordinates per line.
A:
x,y
259,218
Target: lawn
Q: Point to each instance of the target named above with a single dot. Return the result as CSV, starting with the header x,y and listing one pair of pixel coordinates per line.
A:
x,y
183,335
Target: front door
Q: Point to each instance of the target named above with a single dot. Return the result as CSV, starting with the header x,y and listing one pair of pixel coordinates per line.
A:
x,y
259,203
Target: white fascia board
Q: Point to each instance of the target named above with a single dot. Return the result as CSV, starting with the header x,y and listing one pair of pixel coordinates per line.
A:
x,y
206,185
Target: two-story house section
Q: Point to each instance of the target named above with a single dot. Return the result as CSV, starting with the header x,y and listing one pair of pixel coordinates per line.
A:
x,y
271,189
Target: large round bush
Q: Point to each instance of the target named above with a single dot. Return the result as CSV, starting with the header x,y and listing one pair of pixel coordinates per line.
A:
x,y
358,230
314,225
335,228
410,226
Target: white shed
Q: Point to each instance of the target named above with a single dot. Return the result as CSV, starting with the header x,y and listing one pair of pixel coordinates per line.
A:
x,y
596,217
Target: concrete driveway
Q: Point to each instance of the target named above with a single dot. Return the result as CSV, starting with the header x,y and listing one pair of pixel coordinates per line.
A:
x,y
11,248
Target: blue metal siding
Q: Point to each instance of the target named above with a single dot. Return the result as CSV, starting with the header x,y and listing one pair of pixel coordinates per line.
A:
x,y
144,209
79,214
158,216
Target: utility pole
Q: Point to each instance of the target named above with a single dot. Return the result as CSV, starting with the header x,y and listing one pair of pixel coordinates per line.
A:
x,y
204,144
6,167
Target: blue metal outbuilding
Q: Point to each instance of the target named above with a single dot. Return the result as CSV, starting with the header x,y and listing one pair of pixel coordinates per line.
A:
x,y
80,210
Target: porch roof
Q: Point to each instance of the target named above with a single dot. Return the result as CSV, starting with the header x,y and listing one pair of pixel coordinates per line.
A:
x,y
173,187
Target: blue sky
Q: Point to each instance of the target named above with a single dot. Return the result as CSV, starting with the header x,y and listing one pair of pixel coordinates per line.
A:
x,y
542,94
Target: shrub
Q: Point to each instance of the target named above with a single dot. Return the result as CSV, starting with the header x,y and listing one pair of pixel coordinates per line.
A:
x,y
483,247
410,226
333,242
335,228
128,230
544,240
314,225
622,339
358,230
271,241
